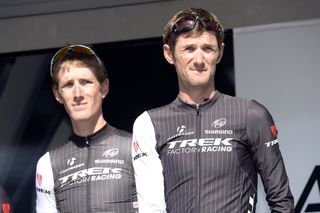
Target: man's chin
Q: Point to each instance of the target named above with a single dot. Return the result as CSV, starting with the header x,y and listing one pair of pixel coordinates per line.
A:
x,y
79,118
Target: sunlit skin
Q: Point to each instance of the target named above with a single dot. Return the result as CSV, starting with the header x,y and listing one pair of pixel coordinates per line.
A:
x,y
195,59
81,95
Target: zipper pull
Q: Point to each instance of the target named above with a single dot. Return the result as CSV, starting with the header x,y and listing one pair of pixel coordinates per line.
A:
x,y
87,141
198,109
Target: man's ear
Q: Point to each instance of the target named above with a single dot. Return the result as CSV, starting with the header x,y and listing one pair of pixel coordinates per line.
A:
x,y
104,88
57,95
168,54
220,53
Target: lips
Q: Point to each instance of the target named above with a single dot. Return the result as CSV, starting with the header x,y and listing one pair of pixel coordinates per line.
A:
x,y
79,107
198,70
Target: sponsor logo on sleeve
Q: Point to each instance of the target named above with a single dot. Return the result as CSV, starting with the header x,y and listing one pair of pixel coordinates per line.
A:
x,y
271,143
138,152
135,146
274,131
39,179
6,207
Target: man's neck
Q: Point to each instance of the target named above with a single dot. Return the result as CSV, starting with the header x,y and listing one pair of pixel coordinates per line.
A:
x,y
88,127
196,97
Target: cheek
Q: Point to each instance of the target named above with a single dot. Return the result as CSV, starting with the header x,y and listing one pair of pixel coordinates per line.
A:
x,y
97,97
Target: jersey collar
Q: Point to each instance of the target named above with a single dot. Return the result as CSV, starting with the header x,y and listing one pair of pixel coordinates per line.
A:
x,y
83,141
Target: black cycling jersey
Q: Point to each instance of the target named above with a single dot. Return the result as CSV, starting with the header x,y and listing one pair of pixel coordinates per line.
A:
x,y
205,159
88,174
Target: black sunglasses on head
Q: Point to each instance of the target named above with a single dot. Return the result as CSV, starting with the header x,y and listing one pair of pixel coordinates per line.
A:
x,y
77,48
188,23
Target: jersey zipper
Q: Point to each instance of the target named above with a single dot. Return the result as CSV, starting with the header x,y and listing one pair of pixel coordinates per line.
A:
x,y
198,163
89,182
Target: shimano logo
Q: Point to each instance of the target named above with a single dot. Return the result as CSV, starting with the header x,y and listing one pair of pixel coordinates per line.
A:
x,y
218,132
91,174
219,123
110,153
200,145
271,143
115,161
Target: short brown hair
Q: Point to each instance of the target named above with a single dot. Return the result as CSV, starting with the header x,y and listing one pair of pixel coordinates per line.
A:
x,y
170,38
88,60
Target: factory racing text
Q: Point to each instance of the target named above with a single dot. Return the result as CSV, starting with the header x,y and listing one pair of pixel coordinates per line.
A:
x,y
200,145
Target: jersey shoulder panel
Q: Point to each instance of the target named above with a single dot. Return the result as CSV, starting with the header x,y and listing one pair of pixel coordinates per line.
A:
x,y
258,111
160,110
115,132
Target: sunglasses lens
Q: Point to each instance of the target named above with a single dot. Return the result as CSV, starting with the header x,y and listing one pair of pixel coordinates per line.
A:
x,y
75,48
184,25
210,25
187,24
79,49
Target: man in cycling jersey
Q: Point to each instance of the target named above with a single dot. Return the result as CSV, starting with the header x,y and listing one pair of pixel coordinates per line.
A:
x,y
92,170
203,152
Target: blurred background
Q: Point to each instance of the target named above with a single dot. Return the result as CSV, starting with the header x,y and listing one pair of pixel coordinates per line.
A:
x,y
272,55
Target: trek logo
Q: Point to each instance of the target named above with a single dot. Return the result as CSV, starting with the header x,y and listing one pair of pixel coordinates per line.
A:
x,y
45,191
39,181
181,130
71,161
110,153
219,123
271,143
200,145
136,148
91,174
140,155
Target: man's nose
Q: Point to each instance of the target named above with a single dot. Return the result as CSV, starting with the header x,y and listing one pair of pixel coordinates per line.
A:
x,y
77,93
77,90
199,59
